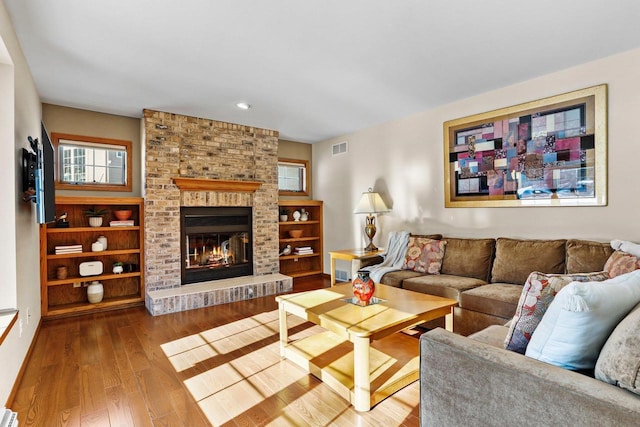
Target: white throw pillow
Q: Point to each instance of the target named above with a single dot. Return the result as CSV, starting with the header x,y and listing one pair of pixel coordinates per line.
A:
x,y
580,319
626,246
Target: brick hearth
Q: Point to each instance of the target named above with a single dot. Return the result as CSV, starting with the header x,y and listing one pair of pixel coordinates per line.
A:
x,y
205,294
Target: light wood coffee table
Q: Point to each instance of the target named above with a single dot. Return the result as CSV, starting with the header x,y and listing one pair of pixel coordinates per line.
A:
x,y
359,354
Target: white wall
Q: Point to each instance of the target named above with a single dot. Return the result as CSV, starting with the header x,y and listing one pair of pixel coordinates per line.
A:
x,y
403,160
20,112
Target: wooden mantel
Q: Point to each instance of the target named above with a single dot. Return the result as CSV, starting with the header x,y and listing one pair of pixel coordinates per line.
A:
x,y
204,184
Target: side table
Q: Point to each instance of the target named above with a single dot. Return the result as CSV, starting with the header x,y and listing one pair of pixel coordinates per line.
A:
x,y
349,255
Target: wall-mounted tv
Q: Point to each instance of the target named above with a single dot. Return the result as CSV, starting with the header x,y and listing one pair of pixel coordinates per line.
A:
x,y
38,176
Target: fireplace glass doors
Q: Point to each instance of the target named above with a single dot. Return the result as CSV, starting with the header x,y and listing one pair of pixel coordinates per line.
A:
x,y
216,243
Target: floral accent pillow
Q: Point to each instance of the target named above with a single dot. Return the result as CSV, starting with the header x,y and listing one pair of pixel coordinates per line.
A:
x,y
537,294
621,263
424,255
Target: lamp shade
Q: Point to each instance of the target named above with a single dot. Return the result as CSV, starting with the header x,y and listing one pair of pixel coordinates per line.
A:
x,y
371,203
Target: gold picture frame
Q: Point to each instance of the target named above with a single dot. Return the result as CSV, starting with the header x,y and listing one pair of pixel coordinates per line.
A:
x,y
548,152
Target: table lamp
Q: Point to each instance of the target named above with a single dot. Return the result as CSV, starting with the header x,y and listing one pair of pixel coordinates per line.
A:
x,y
370,203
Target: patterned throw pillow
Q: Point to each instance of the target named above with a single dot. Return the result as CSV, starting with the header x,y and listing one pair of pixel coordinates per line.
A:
x,y
619,358
424,255
621,263
537,294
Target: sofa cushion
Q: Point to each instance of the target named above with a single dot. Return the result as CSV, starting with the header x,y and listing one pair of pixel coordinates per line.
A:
x,y
497,299
537,293
580,319
621,263
492,335
619,360
395,278
424,255
584,256
516,259
427,236
468,257
442,285
467,322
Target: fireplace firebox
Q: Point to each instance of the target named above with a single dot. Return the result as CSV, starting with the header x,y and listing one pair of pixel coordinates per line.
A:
x,y
216,243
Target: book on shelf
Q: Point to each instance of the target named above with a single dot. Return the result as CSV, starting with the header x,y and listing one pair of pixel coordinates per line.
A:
x,y
76,246
68,249
303,250
124,223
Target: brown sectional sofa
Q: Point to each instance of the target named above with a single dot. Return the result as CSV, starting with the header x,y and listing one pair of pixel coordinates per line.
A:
x,y
486,276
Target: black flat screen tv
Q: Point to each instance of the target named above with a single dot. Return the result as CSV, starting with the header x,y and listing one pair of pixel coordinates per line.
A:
x,y
44,178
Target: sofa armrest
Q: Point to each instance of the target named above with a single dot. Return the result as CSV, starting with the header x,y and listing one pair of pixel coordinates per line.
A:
x,y
466,382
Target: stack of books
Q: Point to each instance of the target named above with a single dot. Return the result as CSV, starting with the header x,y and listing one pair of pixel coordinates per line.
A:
x,y
68,249
8,418
125,223
303,250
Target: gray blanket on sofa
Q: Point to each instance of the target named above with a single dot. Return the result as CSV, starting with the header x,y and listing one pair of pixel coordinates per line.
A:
x,y
393,256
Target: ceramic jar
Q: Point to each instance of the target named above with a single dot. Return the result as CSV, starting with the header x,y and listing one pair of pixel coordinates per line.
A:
x,y
304,215
95,292
62,272
363,287
96,247
103,240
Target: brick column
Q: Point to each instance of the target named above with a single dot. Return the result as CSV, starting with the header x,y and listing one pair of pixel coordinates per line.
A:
x,y
183,146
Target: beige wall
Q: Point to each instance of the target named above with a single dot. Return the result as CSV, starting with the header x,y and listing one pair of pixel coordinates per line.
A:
x,y
298,151
404,161
20,115
90,123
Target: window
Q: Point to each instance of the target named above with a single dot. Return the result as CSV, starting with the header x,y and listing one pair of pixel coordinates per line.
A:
x,y
293,177
88,163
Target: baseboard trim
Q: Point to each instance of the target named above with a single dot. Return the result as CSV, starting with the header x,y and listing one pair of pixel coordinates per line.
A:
x,y
23,367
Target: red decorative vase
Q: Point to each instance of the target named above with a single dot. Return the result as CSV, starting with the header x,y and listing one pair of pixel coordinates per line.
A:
x,y
363,287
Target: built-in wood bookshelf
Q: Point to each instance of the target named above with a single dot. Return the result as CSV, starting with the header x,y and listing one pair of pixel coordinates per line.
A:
x,y
299,265
68,296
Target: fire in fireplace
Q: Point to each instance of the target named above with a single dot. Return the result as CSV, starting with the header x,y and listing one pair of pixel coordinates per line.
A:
x,y
216,243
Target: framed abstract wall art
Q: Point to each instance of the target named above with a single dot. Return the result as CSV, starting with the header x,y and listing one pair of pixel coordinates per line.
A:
x,y
549,152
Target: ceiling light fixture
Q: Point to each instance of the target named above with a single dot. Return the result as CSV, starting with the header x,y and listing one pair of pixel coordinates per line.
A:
x,y
243,105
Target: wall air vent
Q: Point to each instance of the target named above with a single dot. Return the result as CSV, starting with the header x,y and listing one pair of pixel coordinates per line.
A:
x,y
340,148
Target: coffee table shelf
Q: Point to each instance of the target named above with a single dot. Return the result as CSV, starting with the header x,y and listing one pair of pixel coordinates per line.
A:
x,y
359,353
330,358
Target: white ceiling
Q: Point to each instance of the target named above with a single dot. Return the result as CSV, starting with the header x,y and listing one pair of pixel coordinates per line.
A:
x,y
311,69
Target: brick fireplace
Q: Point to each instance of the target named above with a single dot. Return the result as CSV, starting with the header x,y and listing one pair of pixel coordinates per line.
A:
x,y
196,162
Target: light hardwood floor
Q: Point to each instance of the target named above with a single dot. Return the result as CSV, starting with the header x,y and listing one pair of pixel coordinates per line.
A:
x,y
214,366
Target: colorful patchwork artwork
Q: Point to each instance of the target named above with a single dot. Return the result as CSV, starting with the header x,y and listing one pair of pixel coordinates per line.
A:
x,y
541,155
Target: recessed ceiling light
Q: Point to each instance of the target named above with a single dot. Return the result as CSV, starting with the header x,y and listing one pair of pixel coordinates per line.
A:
x,y
243,105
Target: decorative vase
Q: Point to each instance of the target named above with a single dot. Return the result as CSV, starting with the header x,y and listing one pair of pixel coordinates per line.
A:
x,y
95,292
304,215
103,240
363,287
62,272
95,221
96,247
